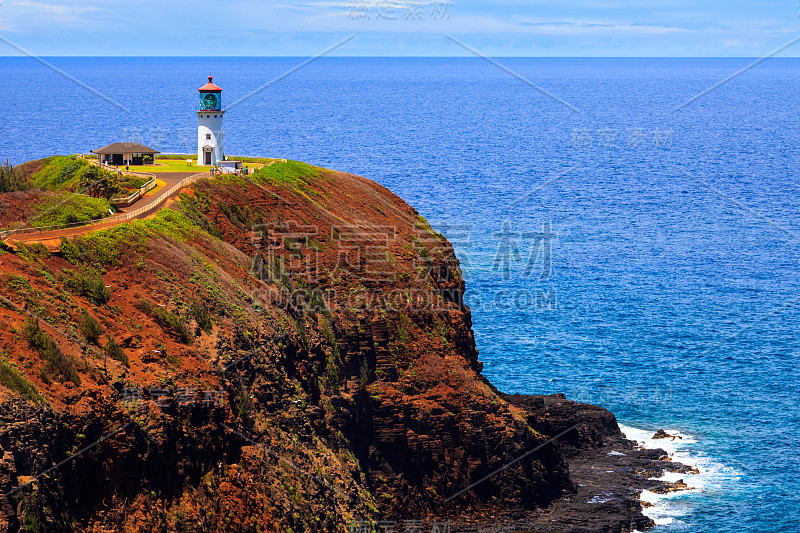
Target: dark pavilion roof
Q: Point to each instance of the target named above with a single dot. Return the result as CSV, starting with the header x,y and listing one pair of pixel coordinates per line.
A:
x,y
125,148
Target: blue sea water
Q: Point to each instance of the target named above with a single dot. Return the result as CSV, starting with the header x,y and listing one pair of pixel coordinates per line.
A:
x,y
671,296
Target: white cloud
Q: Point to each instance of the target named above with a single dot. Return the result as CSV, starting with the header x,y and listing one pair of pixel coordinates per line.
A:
x,y
58,9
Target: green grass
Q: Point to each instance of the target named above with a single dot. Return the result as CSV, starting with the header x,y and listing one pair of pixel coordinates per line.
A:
x,y
178,164
69,208
60,172
14,380
176,156
104,247
291,173
169,165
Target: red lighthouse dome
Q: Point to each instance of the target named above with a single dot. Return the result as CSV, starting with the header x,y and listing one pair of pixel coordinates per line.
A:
x,y
210,87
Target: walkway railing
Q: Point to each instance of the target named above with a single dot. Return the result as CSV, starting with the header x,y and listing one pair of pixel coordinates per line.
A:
x,y
110,220
134,196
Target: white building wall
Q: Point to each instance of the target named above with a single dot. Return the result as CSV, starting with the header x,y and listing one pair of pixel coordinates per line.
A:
x,y
210,123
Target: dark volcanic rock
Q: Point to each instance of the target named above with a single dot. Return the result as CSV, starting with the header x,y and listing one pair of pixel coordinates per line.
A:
x,y
608,470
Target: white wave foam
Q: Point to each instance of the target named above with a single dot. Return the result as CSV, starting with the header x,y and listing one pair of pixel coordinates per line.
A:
x,y
667,509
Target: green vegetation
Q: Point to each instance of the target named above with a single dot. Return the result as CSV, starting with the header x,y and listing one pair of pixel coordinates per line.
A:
x,y
90,328
56,362
403,334
291,173
129,183
364,374
244,405
11,179
62,177
14,380
99,183
333,360
61,172
68,208
87,283
167,320
176,156
104,247
170,165
202,316
115,351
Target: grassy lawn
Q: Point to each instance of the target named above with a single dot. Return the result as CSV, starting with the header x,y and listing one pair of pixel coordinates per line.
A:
x,y
179,165
168,165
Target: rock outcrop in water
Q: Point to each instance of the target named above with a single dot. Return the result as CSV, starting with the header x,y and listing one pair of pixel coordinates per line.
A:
x,y
284,352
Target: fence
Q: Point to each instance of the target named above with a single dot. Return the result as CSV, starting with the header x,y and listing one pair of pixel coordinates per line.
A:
x,y
134,196
110,220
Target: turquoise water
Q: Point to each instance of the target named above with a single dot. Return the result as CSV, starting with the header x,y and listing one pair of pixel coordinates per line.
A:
x,y
671,295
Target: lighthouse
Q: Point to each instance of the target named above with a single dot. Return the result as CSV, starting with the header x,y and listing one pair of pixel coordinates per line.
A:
x,y
209,125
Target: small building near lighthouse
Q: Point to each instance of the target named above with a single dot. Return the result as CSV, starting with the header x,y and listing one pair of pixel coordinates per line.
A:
x,y
210,149
125,153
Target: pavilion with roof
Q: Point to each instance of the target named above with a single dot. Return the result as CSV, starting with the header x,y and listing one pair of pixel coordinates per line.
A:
x,y
125,153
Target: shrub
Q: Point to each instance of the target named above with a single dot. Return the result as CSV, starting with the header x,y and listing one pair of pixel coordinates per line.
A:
x,y
11,179
244,405
115,351
99,183
11,378
90,328
167,320
144,305
363,377
56,362
89,284
202,316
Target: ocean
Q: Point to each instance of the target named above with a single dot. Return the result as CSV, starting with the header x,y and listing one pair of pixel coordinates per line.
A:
x,y
628,228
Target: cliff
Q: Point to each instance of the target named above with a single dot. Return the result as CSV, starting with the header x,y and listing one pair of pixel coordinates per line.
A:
x,y
282,352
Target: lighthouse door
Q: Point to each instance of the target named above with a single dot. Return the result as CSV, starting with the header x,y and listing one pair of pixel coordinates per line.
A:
x,y
207,157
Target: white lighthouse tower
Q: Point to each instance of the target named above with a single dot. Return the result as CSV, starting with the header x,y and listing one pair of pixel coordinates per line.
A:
x,y
209,125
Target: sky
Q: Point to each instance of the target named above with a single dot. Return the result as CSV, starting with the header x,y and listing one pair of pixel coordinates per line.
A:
x,y
573,28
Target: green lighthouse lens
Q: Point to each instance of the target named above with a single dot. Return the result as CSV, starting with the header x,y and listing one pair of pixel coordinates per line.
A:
x,y
210,101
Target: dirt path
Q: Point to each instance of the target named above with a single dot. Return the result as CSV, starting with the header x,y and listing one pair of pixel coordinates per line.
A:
x,y
52,239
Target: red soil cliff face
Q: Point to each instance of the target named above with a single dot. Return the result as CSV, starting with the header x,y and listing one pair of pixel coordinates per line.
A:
x,y
299,359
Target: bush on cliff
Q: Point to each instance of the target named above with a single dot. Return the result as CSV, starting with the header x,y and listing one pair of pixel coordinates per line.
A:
x,y
115,351
14,380
11,179
90,328
87,283
56,362
99,183
202,316
167,320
